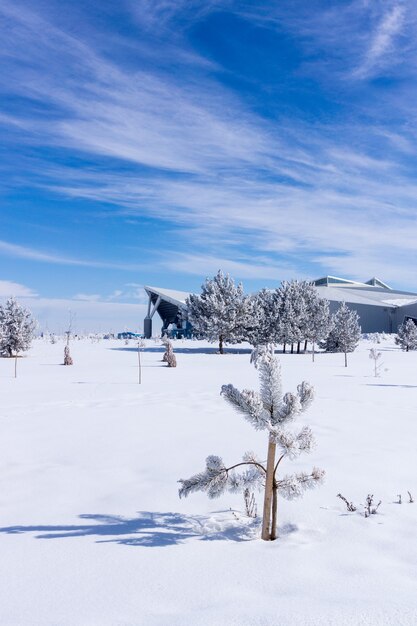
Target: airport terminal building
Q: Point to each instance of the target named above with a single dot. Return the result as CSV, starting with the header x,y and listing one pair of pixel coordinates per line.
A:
x,y
380,308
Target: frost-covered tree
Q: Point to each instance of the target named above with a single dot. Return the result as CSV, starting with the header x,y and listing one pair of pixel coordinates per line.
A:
x,y
67,356
17,328
375,356
263,326
221,312
288,323
407,335
318,319
345,332
294,302
272,411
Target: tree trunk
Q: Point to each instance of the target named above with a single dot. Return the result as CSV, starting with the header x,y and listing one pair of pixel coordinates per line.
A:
x,y
283,348
292,348
269,483
314,351
305,345
298,347
345,359
221,344
274,511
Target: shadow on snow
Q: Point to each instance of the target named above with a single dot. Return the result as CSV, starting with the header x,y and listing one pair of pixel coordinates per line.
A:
x,y
149,529
388,385
179,350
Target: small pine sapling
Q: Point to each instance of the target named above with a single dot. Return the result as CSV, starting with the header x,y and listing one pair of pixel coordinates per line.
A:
x,y
172,359
375,356
268,410
67,356
165,342
169,357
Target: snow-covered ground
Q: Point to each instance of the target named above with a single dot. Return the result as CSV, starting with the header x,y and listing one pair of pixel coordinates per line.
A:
x,y
92,530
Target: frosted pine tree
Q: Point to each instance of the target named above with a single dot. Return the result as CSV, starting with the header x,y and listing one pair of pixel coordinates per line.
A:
x,y
17,328
269,410
345,332
293,313
222,312
407,335
318,320
264,318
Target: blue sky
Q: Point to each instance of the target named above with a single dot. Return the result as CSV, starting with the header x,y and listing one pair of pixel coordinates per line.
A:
x,y
156,141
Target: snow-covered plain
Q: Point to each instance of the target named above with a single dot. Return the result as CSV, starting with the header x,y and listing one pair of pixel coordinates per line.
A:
x,y
92,530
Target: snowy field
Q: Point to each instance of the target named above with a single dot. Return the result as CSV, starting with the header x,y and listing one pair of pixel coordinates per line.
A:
x,y
92,529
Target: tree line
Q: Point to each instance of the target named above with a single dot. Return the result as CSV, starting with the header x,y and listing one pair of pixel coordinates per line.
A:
x,y
291,315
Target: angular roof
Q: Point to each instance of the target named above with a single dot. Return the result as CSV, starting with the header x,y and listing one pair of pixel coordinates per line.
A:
x,y
344,282
376,282
172,296
374,292
367,294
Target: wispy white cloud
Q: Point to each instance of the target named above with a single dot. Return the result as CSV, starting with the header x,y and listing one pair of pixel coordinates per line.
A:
x,y
206,265
24,252
9,288
87,297
382,41
195,155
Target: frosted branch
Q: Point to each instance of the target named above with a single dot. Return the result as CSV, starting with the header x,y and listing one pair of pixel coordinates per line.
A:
x,y
288,409
248,403
293,486
213,480
293,445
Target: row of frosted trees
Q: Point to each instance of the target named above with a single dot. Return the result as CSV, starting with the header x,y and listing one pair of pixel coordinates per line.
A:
x,y
291,315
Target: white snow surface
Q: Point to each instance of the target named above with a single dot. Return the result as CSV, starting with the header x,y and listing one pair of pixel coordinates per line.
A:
x,y
92,530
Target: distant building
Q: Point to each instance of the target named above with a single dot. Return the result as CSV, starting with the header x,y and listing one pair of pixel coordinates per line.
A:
x,y
380,308
127,334
171,308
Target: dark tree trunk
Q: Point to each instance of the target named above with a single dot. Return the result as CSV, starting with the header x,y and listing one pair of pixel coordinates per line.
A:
x,y
305,345
292,348
221,344
298,347
283,348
